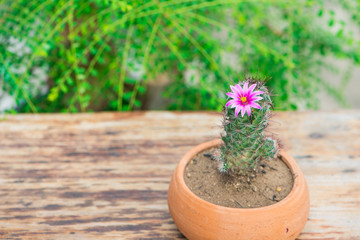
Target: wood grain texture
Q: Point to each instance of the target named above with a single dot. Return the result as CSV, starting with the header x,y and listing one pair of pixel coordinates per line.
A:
x,y
105,175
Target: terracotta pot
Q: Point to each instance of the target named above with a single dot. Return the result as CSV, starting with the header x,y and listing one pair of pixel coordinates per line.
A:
x,y
199,219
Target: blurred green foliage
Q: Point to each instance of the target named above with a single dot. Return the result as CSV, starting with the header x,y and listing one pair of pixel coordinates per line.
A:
x,y
101,54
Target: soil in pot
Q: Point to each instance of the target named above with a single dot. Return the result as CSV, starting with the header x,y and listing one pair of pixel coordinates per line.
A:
x,y
272,183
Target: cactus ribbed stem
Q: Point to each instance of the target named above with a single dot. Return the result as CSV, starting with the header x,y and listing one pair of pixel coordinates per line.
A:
x,y
245,143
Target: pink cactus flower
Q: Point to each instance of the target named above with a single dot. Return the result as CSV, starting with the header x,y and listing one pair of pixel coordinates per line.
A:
x,y
243,99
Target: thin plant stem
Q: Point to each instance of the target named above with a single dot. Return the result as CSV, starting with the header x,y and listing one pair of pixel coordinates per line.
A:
x,y
146,58
243,36
123,64
200,48
32,57
78,94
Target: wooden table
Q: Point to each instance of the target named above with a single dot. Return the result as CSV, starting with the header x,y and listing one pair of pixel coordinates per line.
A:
x,y
105,176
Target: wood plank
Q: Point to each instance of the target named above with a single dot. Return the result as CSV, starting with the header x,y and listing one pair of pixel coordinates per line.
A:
x,y
105,175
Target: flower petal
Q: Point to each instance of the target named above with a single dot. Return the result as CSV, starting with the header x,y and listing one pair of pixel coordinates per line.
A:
x,y
252,87
248,109
242,111
232,95
255,105
240,90
237,110
245,87
253,94
234,90
231,102
254,99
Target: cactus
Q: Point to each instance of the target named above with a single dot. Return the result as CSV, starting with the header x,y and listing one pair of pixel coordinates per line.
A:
x,y
244,141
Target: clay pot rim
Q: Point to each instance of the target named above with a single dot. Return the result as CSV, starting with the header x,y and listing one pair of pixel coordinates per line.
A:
x,y
287,159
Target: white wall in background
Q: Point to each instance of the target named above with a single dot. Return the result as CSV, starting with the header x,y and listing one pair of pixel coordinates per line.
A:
x,y
352,90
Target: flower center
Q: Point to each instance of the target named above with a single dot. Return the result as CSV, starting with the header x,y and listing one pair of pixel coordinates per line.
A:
x,y
243,99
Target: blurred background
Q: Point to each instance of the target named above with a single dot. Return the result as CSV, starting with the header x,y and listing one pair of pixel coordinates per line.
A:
x,y
102,55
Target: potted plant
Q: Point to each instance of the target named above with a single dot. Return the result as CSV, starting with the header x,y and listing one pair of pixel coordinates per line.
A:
x,y
242,186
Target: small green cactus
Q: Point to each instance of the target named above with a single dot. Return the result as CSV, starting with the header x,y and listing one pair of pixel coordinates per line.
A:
x,y
245,143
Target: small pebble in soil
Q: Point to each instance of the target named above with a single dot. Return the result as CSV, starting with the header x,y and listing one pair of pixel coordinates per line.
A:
x,y
262,165
207,155
263,171
278,189
212,158
189,175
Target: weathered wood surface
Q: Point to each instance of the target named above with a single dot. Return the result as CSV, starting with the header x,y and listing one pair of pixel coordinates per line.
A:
x,y
105,176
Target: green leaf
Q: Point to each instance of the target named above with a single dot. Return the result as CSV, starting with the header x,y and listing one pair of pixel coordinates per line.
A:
x,y
113,104
80,76
73,109
129,80
127,96
63,88
94,72
137,103
53,95
141,89
340,33
293,106
69,81
41,53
